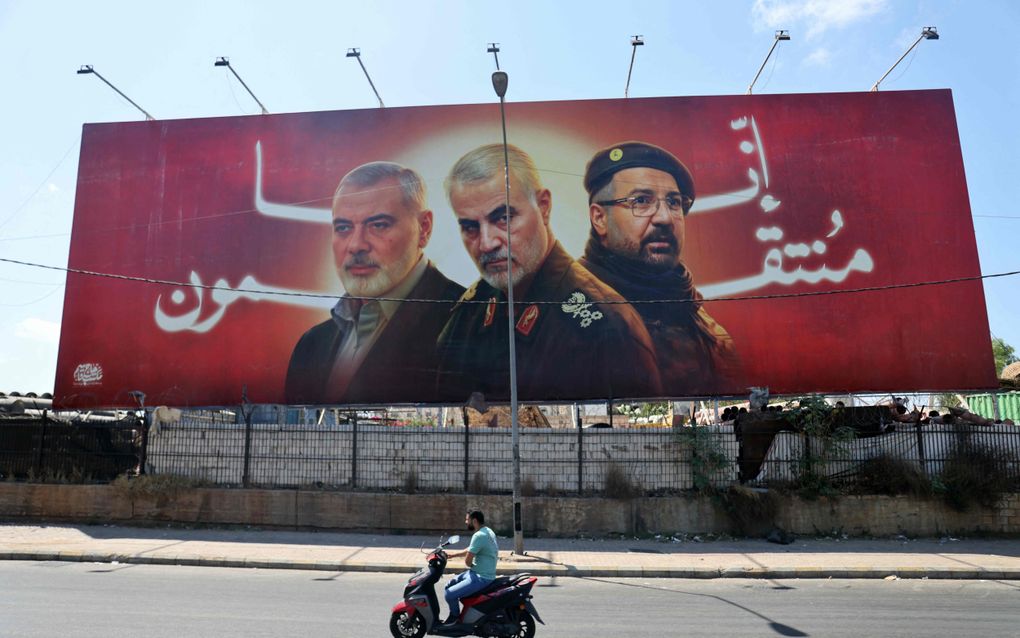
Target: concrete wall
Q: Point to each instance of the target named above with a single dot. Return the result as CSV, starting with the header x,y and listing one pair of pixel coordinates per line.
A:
x,y
286,456
442,513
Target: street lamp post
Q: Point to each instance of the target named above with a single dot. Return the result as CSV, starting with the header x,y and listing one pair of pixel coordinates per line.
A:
x,y
86,69
927,33
499,83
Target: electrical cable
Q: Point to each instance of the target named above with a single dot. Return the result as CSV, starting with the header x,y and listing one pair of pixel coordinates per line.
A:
x,y
312,295
41,184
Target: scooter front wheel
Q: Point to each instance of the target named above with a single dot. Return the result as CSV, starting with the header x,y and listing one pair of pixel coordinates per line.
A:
x,y
405,624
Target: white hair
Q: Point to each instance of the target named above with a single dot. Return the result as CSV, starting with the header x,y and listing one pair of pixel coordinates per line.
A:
x,y
486,162
411,183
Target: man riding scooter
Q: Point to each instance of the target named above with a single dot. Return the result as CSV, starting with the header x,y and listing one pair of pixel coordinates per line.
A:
x,y
480,558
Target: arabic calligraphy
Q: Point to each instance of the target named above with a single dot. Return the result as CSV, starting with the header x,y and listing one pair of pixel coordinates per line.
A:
x,y
179,318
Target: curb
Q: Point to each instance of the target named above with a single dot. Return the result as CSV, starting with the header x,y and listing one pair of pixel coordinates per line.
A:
x,y
537,570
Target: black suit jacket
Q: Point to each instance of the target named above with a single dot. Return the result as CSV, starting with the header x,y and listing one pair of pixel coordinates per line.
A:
x,y
400,367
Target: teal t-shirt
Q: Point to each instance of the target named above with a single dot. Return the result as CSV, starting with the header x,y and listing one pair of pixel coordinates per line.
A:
x,y
483,546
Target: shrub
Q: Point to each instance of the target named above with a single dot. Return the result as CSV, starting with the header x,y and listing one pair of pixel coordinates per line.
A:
x,y
889,475
478,483
617,484
752,512
975,474
410,482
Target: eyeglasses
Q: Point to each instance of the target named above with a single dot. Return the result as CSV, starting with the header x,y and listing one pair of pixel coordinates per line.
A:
x,y
648,205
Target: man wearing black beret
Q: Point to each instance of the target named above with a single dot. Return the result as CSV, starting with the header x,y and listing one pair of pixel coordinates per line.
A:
x,y
639,196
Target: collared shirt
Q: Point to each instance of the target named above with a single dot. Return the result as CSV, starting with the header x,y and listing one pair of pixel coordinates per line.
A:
x,y
362,321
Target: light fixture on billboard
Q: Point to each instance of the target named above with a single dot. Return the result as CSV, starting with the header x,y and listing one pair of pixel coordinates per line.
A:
x,y
927,33
635,42
500,81
781,35
224,61
86,69
356,53
494,48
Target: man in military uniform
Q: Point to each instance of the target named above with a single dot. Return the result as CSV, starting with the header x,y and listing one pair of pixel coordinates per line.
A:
x,y
639,196
375,348
569,344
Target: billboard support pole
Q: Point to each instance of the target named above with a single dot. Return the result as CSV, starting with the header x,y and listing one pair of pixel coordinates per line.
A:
x,y
86,69
499,83
635,42
356,53
780,35
927,33
222,61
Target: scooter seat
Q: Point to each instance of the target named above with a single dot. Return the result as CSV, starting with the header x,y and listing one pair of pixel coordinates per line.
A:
x,y
497,583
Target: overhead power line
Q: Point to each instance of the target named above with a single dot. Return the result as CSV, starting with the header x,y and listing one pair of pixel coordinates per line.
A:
x,y
312,295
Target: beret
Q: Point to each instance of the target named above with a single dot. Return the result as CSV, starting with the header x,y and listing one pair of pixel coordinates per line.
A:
x,y
617,157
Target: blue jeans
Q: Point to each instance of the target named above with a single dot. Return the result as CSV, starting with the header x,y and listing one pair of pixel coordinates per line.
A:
x,y
462,586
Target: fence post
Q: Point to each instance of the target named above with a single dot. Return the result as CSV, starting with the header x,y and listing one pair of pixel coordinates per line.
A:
x,y
580,450
42,446
920,448
354,449
246,474
995,406
467,454
143,455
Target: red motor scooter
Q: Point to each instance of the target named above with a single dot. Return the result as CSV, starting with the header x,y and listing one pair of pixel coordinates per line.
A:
x,y
502,610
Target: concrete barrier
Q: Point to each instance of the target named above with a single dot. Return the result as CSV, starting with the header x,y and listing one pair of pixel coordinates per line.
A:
x,y
443,513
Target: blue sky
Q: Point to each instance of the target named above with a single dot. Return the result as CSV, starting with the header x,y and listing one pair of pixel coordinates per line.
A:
x,y
292,55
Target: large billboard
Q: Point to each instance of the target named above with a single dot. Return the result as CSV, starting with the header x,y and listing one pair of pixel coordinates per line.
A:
x,y
664,247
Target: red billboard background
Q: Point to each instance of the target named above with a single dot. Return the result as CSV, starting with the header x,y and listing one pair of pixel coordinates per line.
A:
x,y
796,194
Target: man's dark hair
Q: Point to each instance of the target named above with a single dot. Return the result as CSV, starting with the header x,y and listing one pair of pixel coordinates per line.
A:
x,y
477,515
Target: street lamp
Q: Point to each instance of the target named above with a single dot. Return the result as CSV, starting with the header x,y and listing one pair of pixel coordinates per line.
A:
x,y
780,35
86,69
356,53
635,42
927,33
222,61
499,83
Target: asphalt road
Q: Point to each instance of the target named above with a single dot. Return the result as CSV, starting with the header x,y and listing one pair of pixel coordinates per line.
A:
x,y
92,599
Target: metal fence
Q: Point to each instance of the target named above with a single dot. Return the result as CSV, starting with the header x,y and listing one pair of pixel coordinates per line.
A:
x,y
618,461
48,449
393,455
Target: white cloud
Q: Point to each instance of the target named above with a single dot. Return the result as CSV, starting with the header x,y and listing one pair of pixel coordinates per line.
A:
x,y
819,57
51,187
816,16
38,330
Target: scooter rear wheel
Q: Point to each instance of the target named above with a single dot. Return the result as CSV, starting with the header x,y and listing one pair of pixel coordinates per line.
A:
x,y
526,624
407,625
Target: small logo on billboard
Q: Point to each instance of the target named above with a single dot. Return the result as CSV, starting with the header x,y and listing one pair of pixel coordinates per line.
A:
x,y
88,374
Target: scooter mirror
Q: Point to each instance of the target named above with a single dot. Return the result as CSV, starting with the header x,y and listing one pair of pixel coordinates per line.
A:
x,y
453,540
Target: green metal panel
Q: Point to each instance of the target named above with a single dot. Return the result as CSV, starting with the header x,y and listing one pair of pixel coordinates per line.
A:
x,y
1009,405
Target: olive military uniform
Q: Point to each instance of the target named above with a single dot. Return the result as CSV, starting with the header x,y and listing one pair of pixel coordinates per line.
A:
x,y
572,349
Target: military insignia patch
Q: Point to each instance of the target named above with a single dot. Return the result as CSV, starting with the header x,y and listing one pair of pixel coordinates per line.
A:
x,y
616,154
527,320
578,306
490,312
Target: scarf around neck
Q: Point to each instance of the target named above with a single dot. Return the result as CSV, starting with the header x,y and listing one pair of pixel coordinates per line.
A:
x,y
636,281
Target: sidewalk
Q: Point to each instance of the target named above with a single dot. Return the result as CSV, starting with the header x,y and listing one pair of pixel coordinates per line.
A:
x,y
662,558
